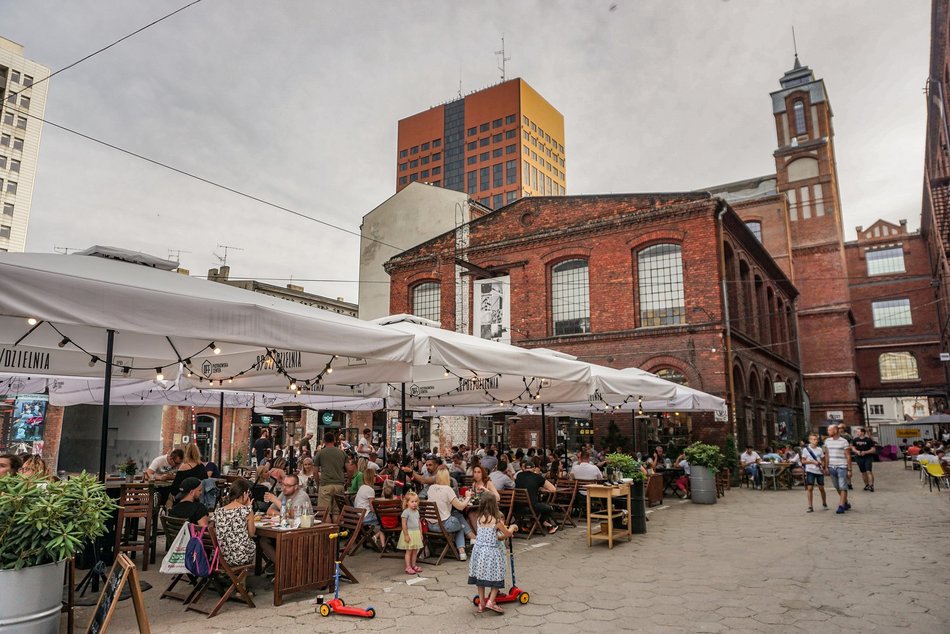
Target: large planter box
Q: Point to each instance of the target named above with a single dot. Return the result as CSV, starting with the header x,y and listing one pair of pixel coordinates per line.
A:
x,y
31,599
702,485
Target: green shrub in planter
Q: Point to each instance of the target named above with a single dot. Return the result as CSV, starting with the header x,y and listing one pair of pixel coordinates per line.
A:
x,y
627,465
700,454
42,523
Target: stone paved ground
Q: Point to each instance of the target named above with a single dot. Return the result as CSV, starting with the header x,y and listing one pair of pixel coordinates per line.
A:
x,y
753,562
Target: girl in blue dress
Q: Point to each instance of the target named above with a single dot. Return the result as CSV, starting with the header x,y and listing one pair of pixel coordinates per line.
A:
x,y
486,568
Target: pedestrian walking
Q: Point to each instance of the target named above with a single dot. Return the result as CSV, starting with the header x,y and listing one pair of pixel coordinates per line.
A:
x,y
864,448
838,465
813,459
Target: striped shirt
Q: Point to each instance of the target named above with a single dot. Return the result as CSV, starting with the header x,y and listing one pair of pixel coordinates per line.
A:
x,y
836,448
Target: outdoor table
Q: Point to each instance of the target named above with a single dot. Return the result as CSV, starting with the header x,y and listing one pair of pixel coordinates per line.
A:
x,y
303,558
607,493
669,478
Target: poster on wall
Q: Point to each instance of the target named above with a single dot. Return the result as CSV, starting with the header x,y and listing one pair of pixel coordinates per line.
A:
x,y
27,423
492,309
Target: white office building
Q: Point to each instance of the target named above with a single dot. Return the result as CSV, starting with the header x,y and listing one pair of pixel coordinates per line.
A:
x,y
22,106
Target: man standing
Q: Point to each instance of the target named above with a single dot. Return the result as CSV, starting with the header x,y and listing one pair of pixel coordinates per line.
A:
x,y
864,450
364,448
838,465
330,462
262,445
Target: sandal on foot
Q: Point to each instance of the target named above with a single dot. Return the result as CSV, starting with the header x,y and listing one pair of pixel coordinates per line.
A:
x,y
417,568
494,607
410,571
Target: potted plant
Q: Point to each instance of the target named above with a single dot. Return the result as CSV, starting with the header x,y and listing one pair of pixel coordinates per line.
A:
x,y
704,462
129,468
632,469
40,528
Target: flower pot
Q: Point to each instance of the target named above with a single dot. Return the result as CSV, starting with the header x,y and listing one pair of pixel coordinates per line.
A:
x,y
226,469
702,484
34,607
129,478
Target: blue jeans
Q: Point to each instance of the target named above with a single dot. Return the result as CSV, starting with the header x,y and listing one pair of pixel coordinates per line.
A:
x,y
753,470
455,524
839,477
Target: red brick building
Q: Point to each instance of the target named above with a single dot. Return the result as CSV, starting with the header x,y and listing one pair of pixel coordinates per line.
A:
x,y
671,283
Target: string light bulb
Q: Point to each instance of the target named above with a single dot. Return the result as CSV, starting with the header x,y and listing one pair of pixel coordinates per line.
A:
x,y
93,360
214,348
329,370
62,344
32,321
293,386
158,375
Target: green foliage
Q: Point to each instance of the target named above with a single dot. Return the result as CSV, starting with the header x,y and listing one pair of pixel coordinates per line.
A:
x,y
629,466
130,467
700,454
731,454
614,438
46,524
239,458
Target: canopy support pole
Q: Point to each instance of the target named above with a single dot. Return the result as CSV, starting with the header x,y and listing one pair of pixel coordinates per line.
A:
x,y
402,419
219,434
106,400
544,433
633,429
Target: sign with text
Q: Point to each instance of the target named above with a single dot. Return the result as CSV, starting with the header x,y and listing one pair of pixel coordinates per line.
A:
x,y
908,432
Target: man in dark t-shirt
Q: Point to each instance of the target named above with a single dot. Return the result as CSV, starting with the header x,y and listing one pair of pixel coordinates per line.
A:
x,y
188,507
530,478
330,462
261,445
864,450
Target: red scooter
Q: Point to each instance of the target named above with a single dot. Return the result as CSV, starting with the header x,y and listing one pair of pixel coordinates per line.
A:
x,y
336,604
516,594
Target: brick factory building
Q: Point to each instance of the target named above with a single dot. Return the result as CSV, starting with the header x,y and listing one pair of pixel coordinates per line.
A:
x,y
629,280
496,145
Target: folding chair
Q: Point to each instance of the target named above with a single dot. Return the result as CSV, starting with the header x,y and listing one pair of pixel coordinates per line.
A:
x,y
563,502
524,515
237,575
171,527
321,514
340,500
351,520
506,499
435,530
389,512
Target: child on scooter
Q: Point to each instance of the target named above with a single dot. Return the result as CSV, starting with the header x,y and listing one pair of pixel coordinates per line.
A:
x,y
486,568
410,539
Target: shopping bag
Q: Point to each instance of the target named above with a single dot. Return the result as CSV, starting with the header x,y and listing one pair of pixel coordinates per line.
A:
x,y
174,561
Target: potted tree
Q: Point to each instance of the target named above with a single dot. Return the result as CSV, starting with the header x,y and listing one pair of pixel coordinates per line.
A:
x,y
632,470
704,462
40,528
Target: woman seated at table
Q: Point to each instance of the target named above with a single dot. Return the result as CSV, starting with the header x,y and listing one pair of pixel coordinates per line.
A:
x,y
265,482
450,509
794,460
191,467
307,473
555,472
234,525
481,484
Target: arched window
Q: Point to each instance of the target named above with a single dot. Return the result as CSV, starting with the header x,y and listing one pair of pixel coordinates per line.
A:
x,y
799,110
426,300
660,271
898,366
570,298
672,375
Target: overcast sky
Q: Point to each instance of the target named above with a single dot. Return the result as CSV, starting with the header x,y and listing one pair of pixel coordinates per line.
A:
x,y
297,103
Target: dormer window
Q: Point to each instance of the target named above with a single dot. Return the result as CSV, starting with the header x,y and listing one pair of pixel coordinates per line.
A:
x,y
798,108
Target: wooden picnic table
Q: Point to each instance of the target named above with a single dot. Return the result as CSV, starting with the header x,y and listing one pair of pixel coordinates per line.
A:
x,y
304,558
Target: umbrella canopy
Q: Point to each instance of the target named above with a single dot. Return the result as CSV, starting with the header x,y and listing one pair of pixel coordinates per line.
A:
x,y
933,419
55,311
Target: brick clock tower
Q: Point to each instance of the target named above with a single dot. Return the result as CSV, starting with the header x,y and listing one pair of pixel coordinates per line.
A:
x,y
806,173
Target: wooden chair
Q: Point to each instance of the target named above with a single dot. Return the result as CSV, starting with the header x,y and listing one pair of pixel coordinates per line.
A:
x,y
135,503
321,514
389,510
340,500
171,526
351,520
563,502
435,531
236,574
524,515
506,503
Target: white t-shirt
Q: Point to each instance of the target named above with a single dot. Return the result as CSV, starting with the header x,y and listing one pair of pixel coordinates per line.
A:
x,y
819,454
586,471
836,448
749,458
161,465
364,498
364,448
442,496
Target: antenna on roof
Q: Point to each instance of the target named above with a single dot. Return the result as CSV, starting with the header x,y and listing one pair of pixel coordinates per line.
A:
x,y
794,43
224,260
176,253
65,250
460,81
504,59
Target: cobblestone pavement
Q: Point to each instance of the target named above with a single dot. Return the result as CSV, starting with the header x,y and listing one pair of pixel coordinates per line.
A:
x,y
753,562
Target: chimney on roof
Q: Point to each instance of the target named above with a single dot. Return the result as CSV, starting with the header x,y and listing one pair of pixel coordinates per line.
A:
x,y
212,275
223,272
294,287
903,226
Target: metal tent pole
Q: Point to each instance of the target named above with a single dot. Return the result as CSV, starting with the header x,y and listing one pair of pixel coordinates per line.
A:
x,y
402,419
106,399
219,434
544,435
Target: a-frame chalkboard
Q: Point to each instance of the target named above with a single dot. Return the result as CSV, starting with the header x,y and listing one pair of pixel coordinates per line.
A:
x,y
123,571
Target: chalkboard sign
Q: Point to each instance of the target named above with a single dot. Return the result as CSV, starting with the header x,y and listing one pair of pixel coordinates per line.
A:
x,y
123,571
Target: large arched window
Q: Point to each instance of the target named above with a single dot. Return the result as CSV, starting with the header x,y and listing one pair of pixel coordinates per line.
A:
x,y
898,366
672,375
660,272
570,298
426,300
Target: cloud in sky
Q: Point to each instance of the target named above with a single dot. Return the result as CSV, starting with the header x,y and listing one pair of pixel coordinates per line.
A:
x,y
297,103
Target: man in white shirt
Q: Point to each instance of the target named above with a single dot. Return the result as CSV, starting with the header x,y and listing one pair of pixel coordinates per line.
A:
x,y
749,460
838,465
164,467
584,470
364,448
